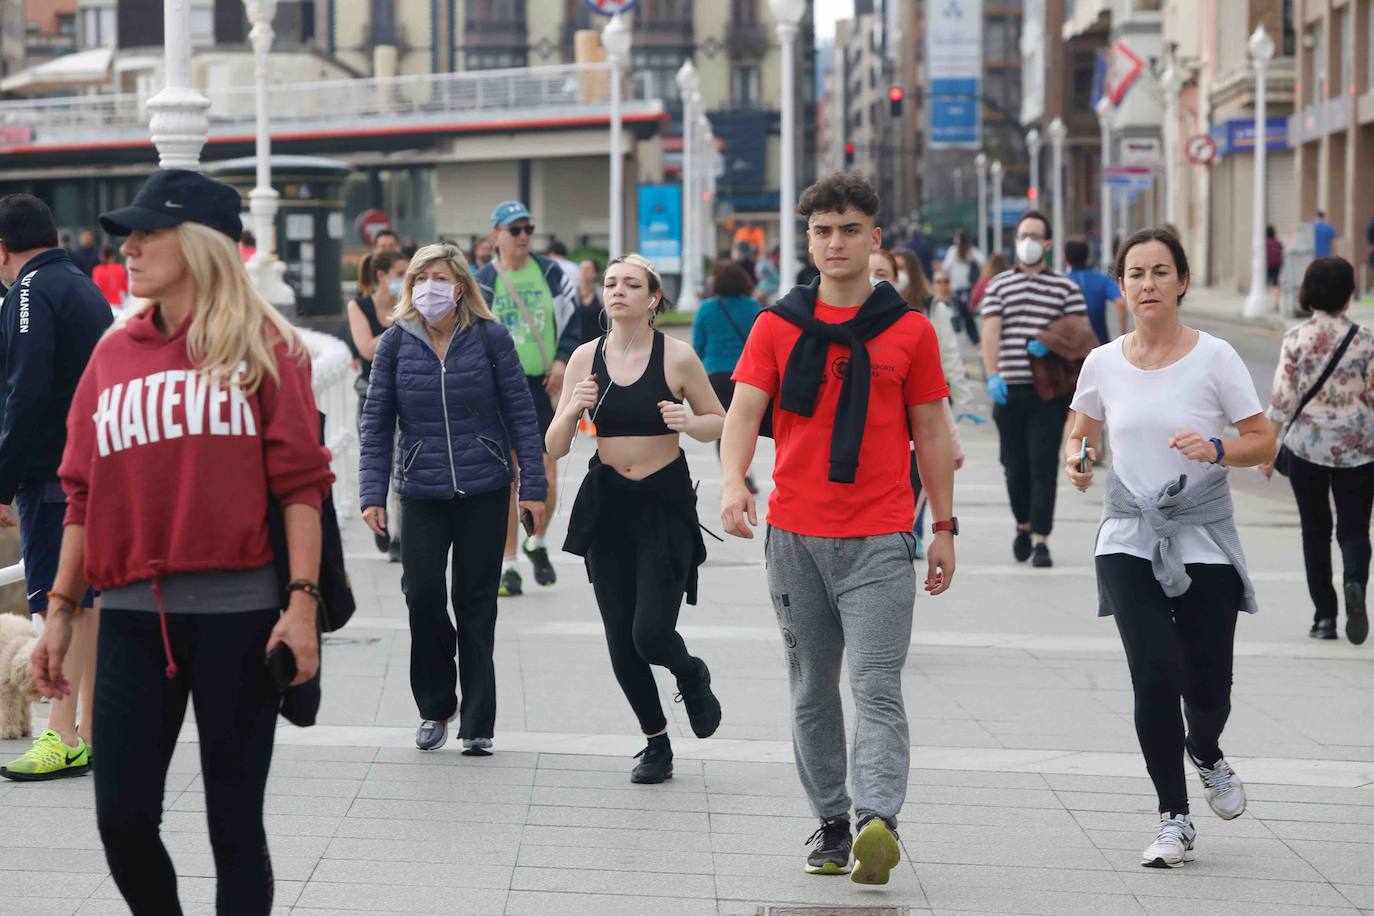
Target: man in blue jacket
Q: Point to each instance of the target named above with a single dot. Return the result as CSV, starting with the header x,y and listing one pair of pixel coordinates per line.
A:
x,y
51,320
537,302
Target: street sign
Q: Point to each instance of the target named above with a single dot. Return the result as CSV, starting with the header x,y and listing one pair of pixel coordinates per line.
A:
x,y
1201,149
370,222
954,64
1146,151
1122,71
1132,177
610,7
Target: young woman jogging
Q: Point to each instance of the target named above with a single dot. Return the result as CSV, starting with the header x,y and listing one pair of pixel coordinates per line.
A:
x,y
193,413
447,376
1170,568
635,518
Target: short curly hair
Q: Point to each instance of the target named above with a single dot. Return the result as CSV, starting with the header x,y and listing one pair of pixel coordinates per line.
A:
x,y
837,191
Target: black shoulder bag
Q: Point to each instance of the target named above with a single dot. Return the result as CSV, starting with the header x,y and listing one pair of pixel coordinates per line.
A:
x,y
1284,456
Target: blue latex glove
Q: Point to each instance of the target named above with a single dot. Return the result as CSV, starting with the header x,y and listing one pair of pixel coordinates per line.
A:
x,y
997,389
974,418
1036,348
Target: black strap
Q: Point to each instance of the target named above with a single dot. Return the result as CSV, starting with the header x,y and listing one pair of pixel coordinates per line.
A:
x,y
1326,374
743,338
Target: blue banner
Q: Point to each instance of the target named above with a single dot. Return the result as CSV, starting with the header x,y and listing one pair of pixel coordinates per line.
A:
x,y
1238,135
660,226
954,65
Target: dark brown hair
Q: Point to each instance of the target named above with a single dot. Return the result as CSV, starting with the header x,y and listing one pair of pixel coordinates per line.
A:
x,y
1327,286
1036,214
729,279
917,293
381,263
837,191
1144,237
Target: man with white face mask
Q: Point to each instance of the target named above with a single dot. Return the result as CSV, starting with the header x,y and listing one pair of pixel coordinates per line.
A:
x,y
1016,307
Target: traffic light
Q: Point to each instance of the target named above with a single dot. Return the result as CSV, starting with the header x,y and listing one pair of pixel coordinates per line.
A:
x,y
849,155
895,94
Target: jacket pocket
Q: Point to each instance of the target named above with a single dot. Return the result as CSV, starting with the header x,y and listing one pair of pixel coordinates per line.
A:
x,y
410,455
496,450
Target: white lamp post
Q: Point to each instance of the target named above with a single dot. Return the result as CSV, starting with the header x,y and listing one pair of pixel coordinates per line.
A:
x,y
997,205
980,165
687,84
787,16
1261,53
1058,134
264,267
1105,228
179,123
1033,144
1172,85
706,184
615,37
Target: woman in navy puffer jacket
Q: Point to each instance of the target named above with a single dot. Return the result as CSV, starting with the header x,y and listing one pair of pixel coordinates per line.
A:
x,y
447,373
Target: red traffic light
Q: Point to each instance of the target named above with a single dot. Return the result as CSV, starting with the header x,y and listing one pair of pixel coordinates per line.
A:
x,y
849,149
896,93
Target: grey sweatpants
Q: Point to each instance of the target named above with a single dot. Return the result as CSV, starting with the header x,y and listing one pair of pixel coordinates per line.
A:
x,y
834,595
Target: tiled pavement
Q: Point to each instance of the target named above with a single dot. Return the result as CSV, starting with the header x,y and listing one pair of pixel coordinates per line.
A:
x,y
1027,792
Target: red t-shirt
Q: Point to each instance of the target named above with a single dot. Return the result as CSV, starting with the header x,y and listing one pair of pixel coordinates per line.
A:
x,y
906,372
113,281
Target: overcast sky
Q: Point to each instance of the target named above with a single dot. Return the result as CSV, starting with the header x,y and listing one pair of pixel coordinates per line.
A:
x,y
828,12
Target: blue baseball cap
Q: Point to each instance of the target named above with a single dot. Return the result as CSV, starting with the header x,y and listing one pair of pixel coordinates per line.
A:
x,y
508,211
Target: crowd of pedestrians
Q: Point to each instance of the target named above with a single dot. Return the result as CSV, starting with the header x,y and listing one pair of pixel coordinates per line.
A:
x,y
478,373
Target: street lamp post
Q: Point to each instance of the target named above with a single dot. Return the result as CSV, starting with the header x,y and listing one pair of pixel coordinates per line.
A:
x,y
997,205
1261,53
264,267
1058,134
180,125
1105,228
615,37
1033,144
707,184
787,16
980,165
1172,85
688,84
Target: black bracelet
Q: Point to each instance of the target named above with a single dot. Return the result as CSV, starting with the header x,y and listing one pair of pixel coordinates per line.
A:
x,y
310,588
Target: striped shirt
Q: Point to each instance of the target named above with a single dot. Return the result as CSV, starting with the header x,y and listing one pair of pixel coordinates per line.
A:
x,y
1027,305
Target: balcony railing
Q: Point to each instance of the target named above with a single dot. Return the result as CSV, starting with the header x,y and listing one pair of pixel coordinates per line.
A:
x,y
427,99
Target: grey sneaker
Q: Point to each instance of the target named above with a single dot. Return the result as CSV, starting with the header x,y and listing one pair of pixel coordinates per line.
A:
x,y
476,747
833,853
431,735
1173,843
1221,787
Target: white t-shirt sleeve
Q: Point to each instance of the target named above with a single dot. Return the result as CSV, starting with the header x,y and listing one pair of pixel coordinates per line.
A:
x,y
1235,388
1087,398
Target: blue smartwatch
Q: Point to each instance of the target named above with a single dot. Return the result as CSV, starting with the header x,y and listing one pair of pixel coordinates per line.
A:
x,y
1221,451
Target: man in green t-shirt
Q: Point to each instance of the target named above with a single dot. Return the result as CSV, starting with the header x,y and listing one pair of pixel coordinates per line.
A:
x,y
536,301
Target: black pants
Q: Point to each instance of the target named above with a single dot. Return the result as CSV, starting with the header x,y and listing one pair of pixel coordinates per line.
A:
x,y
138,714
639,609
1030,432
475,528
1177,648
1315,486
962,315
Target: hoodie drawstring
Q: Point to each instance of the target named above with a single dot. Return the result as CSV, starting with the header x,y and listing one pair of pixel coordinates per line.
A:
x,y
156,567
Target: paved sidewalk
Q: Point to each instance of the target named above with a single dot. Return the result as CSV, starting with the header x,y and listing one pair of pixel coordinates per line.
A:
x,y
1028,793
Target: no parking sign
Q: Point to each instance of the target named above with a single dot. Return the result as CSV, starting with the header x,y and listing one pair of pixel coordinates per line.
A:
x,y
610,7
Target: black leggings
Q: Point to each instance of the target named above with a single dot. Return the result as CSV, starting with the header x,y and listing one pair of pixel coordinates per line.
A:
x,y
1177,648
639,609
1315,486
137,715
1030,432
475,528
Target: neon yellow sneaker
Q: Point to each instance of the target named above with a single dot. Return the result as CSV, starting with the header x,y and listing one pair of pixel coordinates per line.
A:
x,y
49,758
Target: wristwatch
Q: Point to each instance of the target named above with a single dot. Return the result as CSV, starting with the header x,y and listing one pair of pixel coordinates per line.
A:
x,y
952,526
1221,451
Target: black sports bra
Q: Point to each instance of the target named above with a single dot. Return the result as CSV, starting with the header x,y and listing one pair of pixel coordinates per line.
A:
x,y
632,410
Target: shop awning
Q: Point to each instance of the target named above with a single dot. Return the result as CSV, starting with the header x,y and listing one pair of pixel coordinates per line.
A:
x,y
80,70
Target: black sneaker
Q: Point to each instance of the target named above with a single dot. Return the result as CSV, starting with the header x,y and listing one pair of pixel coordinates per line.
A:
x,y
1041,556
655,764
1323,629
1021,547
834,852
1356,618
543,568
510,584
703,709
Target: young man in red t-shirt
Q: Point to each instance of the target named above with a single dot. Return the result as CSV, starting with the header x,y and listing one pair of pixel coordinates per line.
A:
x,y
839,548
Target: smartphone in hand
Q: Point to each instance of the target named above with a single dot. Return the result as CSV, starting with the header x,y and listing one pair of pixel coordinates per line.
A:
x,y
281,667
1084,462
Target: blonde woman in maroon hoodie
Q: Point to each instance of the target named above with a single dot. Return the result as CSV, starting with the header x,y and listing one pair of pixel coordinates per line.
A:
x,y
194,411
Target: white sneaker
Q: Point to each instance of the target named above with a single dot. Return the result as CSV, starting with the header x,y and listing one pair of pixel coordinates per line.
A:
x,y
1222,788
1173,843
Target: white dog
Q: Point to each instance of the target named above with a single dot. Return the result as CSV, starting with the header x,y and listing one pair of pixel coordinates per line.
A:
x,y
17,689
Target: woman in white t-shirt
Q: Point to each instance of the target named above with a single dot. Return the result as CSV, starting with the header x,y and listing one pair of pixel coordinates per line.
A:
x,y
1169,393
963,262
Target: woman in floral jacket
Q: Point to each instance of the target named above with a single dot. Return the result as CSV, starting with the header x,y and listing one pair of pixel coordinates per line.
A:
x,y
1331,442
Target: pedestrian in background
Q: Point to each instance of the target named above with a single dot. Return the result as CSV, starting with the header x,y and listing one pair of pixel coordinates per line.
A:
x,y
447,376
589,305
193,416
1324,396
1323,235
996,265
248,246
112,278
719,330
1170,568
1273,258
86,256
963,262
482,251
1098,289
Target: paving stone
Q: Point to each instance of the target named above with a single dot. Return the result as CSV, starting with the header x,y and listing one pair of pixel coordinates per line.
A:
x,y
544,903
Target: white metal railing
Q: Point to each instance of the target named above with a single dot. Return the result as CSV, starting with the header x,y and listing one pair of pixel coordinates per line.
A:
x,y
12,574
332,375
520,92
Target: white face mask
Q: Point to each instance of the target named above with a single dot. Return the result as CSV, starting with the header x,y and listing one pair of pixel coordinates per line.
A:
x,y
874,281
1030,252
903,281
433,299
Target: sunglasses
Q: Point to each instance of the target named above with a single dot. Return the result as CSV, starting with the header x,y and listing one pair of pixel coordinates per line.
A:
x,y
517,230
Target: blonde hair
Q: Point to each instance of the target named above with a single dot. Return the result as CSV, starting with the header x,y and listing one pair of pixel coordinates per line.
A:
x,y
471,304
232,326
635,259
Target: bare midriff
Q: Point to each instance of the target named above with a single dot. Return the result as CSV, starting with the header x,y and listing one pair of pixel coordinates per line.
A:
x,y
637,457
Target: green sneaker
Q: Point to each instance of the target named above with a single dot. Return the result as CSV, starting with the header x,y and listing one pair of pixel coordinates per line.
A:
x,y
544,572
49,758
876,852
510,584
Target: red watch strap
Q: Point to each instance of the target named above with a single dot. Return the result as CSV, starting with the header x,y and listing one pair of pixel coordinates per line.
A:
x,y
948,525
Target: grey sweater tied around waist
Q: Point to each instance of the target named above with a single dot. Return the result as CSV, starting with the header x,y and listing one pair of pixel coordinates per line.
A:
x,y
1206,506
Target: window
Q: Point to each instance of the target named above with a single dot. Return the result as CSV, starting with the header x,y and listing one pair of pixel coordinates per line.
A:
x,y
495,59
658,67
202,26
66,24
744,87
97,27
746,12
